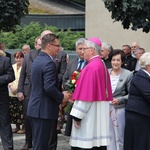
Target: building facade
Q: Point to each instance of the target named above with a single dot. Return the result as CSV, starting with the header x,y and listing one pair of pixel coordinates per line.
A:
x,y
100,24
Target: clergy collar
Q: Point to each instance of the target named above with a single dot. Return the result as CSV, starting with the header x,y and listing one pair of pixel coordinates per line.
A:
x,y
94,57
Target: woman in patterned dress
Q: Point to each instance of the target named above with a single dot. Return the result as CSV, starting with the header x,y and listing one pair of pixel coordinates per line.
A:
x,y
16,108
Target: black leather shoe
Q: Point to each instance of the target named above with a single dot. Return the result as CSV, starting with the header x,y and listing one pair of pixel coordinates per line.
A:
x,y
27,146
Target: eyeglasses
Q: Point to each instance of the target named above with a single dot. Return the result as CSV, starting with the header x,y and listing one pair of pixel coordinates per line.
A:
x,y
80,49
83,49
56,45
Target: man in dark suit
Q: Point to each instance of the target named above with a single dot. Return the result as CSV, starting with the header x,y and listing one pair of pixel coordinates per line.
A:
x,y
24,90
6,76
130,62
45,98
60,61
72,66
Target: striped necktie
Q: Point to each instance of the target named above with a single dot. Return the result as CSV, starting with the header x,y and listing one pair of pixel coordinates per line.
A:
x,y
80,65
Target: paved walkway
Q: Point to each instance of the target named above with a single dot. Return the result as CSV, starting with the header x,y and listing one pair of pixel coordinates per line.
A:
x,y
19,141
63,142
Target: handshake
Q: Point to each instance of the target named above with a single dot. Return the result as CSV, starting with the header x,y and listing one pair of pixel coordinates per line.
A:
x,y
67,96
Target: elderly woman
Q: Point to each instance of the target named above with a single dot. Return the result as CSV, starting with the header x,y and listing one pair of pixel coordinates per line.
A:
x,y
120,82
137,113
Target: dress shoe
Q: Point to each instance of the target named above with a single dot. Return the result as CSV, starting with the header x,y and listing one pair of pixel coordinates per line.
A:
x,y
15,130
27,146
22,131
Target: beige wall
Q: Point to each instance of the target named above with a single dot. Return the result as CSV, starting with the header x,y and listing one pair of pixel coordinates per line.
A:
x,y
99,24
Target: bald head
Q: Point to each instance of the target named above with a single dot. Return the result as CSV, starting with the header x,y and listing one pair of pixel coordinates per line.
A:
x,y
45,32
134,46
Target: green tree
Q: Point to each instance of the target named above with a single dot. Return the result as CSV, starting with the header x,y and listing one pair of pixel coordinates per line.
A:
x,y
11,12
134,14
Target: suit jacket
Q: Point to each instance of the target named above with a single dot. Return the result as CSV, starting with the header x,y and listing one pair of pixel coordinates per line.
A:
x,y
24,85
61,64
107,63
139,94
32,55
123,85
130,63
71,67
6,76
60,61
8,55
45,97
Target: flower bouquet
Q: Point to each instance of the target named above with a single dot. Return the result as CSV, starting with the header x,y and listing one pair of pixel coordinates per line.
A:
x,y
70,87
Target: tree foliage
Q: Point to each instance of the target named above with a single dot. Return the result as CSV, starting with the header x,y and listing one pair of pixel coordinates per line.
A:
x,y
11,12
28,33
134,14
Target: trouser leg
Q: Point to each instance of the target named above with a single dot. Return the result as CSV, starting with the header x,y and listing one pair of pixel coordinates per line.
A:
x,y
5,127
44,133
28,129
27,122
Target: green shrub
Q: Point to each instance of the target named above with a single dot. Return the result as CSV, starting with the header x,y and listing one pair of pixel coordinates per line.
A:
x,y
28,33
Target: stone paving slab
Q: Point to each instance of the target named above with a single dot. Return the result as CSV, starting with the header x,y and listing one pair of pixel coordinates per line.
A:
x,y
63,142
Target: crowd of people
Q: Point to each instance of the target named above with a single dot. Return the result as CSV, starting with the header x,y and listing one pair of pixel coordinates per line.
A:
x,y
110,103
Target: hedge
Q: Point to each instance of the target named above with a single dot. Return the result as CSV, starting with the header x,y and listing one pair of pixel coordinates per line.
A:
x,y
27,34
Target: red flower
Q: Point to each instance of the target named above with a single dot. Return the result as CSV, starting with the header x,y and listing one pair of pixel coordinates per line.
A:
x,y
70,86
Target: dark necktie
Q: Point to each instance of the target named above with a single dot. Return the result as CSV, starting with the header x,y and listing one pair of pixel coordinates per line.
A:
x,y
80,64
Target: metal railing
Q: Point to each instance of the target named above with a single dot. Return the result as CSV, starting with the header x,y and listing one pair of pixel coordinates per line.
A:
x,y
76,22
72,54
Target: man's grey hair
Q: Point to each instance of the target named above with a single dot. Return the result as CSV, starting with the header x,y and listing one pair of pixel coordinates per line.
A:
x,y
26,46
95,46
139,49
80,41
107,46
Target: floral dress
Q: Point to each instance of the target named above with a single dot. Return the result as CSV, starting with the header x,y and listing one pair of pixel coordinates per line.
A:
x,y
16,107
